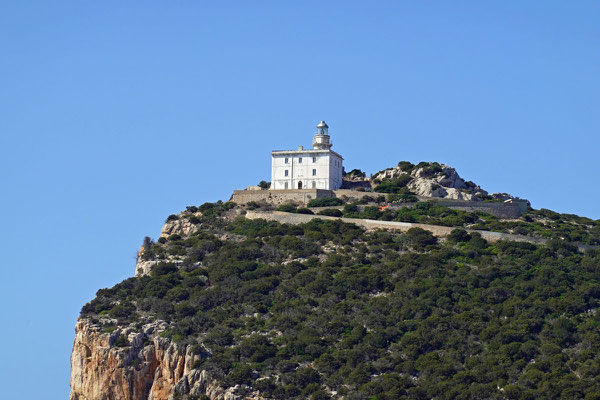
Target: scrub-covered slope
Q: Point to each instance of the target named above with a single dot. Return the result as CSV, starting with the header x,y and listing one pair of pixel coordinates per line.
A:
x,y
233,308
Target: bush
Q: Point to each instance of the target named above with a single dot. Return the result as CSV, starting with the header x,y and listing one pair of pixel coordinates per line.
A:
x,y
350,208
429,169
121,341
420,238
264,184
458,236
393,185
163,268
240,374
252,205
406,166
171,217
325,202
401,198
356,173
304,210
370,213
331,212
286,208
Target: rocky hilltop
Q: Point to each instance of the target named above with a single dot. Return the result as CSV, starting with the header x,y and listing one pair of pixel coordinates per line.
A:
x,y
226,307
425,179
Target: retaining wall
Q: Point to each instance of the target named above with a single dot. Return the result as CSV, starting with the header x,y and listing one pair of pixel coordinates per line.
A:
x,y
278,197
303,196
500,210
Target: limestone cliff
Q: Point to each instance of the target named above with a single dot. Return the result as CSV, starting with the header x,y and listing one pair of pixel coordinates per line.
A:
x,y
135,363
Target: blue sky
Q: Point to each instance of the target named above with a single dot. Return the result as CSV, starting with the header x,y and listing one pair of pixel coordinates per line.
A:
x,y
114,115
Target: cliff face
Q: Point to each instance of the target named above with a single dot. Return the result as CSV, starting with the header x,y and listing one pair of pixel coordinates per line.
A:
x,y
136,364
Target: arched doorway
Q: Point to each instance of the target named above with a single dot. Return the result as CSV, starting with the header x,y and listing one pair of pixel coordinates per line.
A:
x,y
299,184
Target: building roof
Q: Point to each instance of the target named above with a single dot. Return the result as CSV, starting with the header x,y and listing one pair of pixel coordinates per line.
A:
x,y
322,124
307,151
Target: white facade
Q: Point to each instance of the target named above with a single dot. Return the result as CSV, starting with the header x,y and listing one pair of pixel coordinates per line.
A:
x,y
316,168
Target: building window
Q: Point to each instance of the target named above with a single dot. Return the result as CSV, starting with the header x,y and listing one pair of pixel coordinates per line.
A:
x,y
286,185
286,172
300,160
314,159
286,160
314,172
314,184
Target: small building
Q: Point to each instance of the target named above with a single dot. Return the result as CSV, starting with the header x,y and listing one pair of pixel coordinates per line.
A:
x,y
316,168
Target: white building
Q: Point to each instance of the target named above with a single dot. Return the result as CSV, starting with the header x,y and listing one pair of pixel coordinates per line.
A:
x,y
317,168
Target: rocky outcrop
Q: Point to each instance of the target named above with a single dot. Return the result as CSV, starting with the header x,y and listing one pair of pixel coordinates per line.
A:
x,y
179,226
136,364
436,180
144,267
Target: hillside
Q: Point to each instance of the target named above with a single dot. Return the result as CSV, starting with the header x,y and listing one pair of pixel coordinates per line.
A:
x,y
223,307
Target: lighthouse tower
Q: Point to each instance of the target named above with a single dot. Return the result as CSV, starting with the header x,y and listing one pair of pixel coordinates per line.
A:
x,y
321,139
316,168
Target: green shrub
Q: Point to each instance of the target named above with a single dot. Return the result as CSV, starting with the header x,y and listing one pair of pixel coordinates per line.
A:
x,y
458,236
286,208
332,212
163,268
252,205
304,210
121,341
350,208
401,198
356,173
366,199
123,310
239,374
370,213
406,166
325,202
394,185
429,169
420,238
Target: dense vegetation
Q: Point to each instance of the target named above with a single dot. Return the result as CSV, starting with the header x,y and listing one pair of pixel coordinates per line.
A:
x,y
539,223
326,309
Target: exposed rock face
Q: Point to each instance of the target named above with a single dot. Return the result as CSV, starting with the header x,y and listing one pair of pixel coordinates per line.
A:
x,y
148,367
180,226
434,180
144,267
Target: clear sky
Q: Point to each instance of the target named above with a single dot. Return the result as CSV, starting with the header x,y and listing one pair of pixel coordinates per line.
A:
x,y
115,114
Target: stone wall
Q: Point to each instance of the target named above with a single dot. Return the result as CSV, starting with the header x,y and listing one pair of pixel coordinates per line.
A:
x,y
500,210
278,197
440,231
